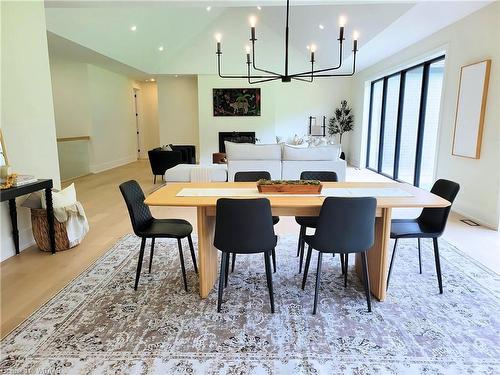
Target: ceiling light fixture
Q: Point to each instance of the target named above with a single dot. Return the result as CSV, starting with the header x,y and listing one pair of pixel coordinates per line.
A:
x,y
160,48
321,26
133,28
208,8
259,7
269,75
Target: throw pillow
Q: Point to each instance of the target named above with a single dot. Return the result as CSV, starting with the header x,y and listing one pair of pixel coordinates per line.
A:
x,y
65,197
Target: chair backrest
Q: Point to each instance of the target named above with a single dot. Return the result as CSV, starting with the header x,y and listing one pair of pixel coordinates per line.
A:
x,y
319,175
139,212
435,218
251,176
244,226
161,160
346,225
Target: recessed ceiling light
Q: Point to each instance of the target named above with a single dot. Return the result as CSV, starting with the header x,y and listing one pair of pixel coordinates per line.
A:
x,y
321,26
176,76
308,47
208,8
133,28
160,48
259,7
152,79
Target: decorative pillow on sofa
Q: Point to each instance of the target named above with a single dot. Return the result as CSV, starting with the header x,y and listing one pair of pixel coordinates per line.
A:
x,y
250,151
312,153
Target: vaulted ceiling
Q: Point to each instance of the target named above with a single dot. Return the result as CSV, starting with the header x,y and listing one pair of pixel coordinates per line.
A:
x,y
186,31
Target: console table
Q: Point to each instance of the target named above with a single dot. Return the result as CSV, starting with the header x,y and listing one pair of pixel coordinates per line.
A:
x,y
12,193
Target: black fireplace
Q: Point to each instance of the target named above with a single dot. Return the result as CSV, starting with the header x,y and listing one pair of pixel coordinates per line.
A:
x,y
236,137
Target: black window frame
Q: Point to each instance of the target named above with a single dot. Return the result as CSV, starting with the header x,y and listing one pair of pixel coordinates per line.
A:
x,y
421,119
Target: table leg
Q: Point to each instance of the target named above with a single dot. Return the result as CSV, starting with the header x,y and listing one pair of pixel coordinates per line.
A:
x,y
50,219
207,253
377,255
13,219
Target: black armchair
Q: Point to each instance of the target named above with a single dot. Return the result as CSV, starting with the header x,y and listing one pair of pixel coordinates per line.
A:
x,y
161,160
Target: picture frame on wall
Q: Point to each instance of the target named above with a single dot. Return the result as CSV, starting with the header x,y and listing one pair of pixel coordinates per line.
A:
x,y
471,106
229,102
315,128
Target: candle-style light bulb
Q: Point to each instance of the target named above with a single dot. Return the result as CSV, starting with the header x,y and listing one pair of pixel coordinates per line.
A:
x,y
355,37
342,22
312,48
247,49
218,38
252,20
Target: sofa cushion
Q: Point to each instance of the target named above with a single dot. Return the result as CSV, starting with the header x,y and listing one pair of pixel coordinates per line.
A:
x,y
250,151
185,172
312,153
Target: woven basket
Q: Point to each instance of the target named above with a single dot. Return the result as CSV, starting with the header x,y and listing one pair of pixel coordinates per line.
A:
x,y
41,231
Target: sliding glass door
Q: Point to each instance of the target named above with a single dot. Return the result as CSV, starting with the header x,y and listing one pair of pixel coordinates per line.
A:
x,y
403,123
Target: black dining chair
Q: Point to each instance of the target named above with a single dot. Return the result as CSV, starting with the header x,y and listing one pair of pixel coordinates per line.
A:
x,y
244,226
430,224
312,221
146,226
254,176
345,225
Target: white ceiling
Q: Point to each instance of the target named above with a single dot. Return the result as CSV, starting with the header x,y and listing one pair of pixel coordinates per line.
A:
x,y
186,31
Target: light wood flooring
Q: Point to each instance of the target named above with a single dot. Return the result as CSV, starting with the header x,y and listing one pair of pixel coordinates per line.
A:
x,y
29,280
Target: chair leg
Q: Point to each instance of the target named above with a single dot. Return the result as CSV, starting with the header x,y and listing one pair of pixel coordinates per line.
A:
x,y
151,253
226,272
419,257
193,255
438,264
269,277
318,276
233,262
221,279
273,254
154,180
392,262
302,250
346,265
181,256
306,268
342,263
366,281
139,264
301,236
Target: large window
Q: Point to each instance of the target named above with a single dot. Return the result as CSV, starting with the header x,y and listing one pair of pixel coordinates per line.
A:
x,y
403,123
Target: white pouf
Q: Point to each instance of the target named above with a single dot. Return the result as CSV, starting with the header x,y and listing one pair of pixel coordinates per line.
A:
x,y
197,173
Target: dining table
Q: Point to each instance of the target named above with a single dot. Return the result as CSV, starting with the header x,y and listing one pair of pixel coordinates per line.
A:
x,y
204,196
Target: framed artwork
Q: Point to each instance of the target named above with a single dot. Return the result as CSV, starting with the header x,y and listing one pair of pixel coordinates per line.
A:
x,y
315,128
236,102
471,105
3,152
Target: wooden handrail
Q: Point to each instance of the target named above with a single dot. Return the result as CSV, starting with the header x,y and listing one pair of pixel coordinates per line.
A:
x,y
70,139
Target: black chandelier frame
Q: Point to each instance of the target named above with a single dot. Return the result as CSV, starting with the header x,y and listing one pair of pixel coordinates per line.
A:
x,y
287,77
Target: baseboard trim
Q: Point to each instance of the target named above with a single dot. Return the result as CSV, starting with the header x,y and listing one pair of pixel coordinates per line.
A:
x,y
112,164
474,218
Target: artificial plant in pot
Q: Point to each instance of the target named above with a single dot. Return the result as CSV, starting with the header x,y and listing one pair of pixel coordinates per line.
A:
x,y
342,122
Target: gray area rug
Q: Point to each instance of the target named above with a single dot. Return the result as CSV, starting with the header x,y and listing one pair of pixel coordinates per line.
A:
x,y
98,324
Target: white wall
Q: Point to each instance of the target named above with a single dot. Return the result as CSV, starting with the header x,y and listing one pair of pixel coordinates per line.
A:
x,y
92,101
178,110
70,90
27,108
472,39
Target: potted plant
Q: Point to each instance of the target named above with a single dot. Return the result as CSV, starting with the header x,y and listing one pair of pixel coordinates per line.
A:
x,y
342,122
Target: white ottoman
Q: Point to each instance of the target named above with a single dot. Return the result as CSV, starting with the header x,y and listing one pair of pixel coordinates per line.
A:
x,y
197,173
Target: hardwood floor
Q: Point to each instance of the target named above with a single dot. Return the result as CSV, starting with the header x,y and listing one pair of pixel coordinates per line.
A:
x,y
29,280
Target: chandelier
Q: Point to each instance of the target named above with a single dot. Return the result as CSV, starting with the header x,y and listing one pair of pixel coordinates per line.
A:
x,y
259,75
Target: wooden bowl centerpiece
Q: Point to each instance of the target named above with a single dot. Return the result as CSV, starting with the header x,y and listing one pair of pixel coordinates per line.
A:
x,y
289,186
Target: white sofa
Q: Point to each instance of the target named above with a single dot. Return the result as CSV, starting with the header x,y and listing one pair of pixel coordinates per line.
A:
x,y
283,162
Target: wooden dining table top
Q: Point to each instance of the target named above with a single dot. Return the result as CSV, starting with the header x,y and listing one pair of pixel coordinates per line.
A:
x,y
167,195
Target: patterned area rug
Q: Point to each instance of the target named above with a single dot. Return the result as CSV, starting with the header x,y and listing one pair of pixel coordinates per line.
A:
x,y
98,324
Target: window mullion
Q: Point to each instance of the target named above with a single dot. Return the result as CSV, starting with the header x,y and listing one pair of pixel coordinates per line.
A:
x,y
421,123
399,124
